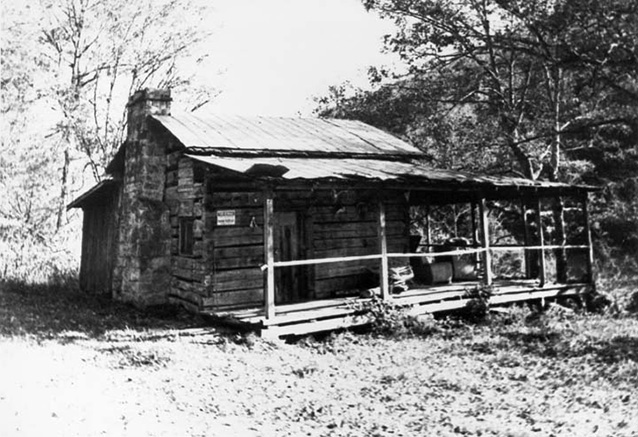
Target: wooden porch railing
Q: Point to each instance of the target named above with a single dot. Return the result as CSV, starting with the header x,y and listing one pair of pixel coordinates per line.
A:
x,y
384,279
384,256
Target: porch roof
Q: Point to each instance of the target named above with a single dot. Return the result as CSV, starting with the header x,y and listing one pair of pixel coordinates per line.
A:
x,y
413,172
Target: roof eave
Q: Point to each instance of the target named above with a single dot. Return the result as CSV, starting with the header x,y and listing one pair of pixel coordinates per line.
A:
x,y
91,193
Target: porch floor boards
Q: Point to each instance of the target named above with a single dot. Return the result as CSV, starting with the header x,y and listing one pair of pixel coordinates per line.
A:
x,y
326,314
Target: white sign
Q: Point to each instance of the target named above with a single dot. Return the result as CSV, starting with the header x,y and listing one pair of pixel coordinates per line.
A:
x,y
226,217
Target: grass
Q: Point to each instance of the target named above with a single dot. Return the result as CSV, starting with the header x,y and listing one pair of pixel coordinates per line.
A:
x,y
73,365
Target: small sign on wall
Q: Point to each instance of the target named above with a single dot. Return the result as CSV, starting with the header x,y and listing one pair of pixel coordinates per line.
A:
x,y
226,217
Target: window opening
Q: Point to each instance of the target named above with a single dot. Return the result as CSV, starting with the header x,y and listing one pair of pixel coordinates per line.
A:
x,y
186,236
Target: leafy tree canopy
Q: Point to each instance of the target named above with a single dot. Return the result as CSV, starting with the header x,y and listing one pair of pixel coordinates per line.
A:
x,y
68,67
542,89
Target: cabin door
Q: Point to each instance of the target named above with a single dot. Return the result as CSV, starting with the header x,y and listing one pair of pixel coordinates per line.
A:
x,y
290,282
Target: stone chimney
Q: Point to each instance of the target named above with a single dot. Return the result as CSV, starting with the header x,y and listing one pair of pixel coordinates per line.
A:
x,y
142,270
142,104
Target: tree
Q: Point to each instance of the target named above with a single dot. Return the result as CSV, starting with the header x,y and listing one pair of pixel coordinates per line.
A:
x,y
103,50
553,80
68,68
419,110
528,62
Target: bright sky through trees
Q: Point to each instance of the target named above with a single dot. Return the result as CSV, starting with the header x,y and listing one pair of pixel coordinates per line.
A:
x,y
276,55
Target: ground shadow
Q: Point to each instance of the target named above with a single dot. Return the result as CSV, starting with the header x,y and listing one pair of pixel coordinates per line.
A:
x,y
47,312
555,344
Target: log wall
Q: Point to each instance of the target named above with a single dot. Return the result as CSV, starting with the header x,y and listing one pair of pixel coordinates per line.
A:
x,y
345,223
190,273
337,223
237,247
224,271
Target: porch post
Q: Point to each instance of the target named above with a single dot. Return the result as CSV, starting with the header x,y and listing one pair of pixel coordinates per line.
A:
x,y
590,247
541,242
526,239
475,236
383,246
485,231
269,252
474,227
428,230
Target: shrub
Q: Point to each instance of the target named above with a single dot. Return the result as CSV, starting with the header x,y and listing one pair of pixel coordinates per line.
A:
x,y
617,283
394,321
478,305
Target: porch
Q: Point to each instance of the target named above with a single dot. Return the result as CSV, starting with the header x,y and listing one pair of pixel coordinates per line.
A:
x,y
536,280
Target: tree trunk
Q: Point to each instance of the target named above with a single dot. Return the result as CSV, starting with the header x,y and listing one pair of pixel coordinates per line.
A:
x,y
63,190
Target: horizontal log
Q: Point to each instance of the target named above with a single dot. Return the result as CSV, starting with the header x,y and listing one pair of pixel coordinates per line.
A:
x,y
238,279
238,263
335,240
341,286
351,213
189,275
357,229
236,199
182,262
239,251
252,296
342,243
197,264
335,248
237,285
193,287
238,274
193,297
223,236
344,269
240,312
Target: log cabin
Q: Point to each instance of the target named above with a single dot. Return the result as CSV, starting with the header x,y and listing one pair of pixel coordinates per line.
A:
x,y
292,225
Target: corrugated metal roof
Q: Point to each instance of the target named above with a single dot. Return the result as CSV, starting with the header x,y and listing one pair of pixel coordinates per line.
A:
x,y
279,134
374,169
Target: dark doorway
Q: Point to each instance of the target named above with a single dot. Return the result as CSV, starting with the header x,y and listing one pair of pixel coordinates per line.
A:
x,y
291,283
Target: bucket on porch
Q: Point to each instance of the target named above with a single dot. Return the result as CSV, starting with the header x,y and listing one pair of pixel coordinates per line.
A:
x,y
463,266
428,270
